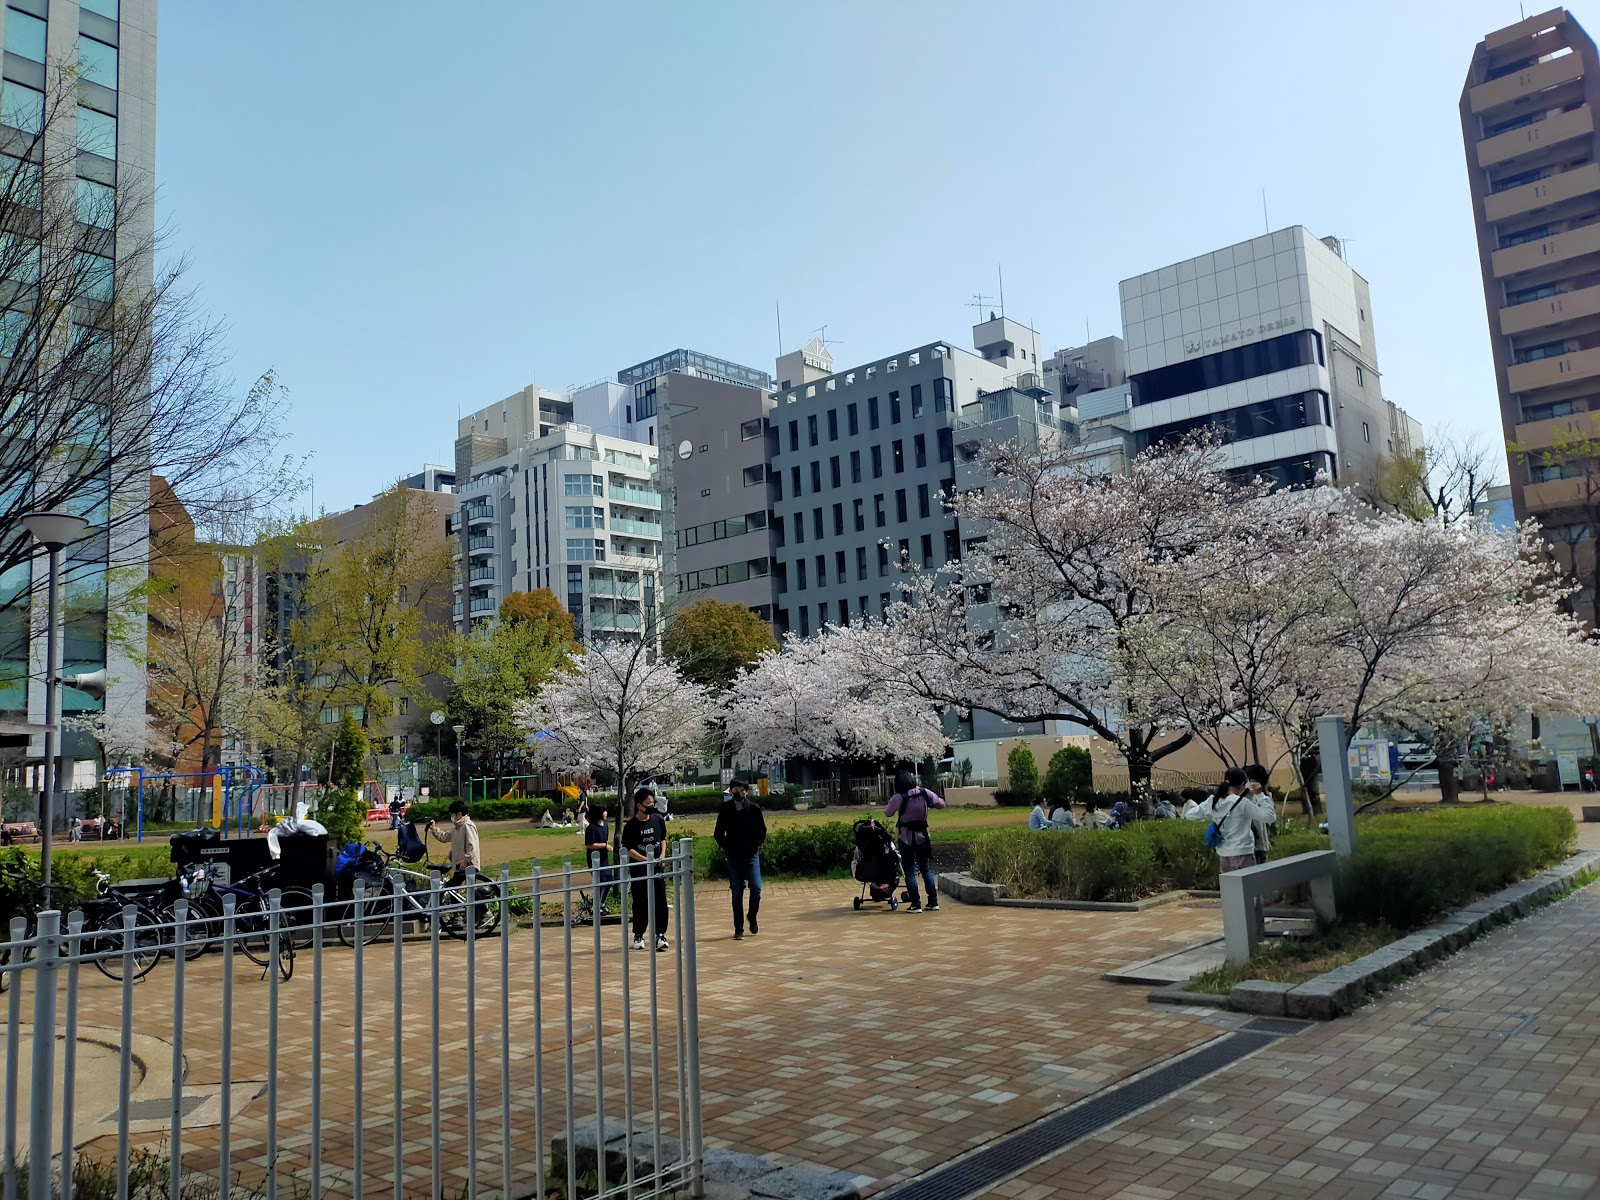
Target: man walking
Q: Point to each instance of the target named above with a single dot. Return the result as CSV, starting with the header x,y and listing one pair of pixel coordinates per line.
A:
x,y
462,840
740,831
597,849
644,838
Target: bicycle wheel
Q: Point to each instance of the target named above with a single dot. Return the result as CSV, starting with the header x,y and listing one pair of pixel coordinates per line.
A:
x,y
252,925
286,958
375,917
485,906
203,928
108,943
297,916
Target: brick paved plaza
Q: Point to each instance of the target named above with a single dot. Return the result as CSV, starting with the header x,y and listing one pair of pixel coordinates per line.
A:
x,y
883,1044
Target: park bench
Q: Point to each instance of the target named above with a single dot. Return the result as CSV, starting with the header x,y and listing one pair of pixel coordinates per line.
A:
x,y
1242,888
20,831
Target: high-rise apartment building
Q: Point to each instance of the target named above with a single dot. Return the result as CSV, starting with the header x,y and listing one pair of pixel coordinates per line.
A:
x,y
493,432
1270,342
111,120
573,511
1533,165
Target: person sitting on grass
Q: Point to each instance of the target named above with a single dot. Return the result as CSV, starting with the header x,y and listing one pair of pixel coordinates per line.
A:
x,y
1093,818
1062,817
1038,819
1165,810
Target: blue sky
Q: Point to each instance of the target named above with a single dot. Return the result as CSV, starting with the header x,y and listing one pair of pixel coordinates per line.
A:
x,y
412,209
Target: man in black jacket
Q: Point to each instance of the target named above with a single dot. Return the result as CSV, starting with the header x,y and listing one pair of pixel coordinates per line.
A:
x,y
740,831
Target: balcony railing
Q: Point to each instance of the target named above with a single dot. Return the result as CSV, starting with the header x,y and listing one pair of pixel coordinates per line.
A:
x,y
630,495
477,573
478,512
481,541
482,604
638,528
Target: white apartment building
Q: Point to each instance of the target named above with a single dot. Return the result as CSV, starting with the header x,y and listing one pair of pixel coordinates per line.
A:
x,y
1271,342
572,510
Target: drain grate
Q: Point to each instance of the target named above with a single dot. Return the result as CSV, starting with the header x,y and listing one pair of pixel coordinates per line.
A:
x,y
1279,1026
999,1161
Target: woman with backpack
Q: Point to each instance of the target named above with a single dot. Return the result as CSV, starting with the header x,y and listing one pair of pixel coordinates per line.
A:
x,y
911,801
1233,811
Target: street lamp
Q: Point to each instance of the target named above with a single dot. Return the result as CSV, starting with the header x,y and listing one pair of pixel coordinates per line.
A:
x,y
54,531
459,730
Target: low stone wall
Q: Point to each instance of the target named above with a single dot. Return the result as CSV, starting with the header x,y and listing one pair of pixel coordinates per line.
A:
x,y
963,887
1336,992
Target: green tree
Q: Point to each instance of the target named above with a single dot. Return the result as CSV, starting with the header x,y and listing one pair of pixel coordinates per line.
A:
x,y
711,642
494,667
1068,776
1024,773
343,811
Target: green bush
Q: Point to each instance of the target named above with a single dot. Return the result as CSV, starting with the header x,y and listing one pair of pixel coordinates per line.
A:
x,y
1068,776
1024,773
804,850
1408,867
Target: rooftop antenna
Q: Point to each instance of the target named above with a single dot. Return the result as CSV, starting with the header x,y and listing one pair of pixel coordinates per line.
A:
x,y
1000,273
1085,329
778,308
1264,219
822,335
980,302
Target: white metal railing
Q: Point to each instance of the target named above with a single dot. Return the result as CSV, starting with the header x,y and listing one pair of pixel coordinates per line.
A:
x,y
637,496
341,1006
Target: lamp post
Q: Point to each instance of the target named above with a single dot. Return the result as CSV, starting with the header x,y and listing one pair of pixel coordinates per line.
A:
x,y
459,730
54,531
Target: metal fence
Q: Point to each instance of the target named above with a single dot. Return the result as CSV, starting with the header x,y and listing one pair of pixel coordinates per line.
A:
x,y
416,1039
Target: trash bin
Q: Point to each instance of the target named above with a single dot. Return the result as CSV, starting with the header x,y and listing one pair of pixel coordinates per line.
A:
x,y
238,856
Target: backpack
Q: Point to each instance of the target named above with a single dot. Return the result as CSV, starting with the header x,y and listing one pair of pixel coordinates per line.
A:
x,y
1214,830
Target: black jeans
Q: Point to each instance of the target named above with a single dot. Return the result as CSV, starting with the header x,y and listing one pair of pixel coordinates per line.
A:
x,y
639,897
917,858
742,874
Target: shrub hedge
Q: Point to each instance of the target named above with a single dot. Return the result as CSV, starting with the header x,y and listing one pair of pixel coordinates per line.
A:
x,y
689,802
1408,867
804,850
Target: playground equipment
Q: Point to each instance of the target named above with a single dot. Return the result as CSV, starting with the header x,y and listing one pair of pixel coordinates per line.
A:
x,y
521,786
232,788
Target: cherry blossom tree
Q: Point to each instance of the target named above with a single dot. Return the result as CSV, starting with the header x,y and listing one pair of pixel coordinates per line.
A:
x,y
811,700
623,706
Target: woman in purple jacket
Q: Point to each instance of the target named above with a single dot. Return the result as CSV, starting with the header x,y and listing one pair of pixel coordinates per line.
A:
x,y
912,801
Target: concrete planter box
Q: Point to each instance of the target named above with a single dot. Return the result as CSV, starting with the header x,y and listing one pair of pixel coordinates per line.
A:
x,y
1591,813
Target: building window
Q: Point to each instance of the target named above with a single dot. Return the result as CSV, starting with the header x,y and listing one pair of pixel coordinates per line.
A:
x,y
816,523
952,546
822,614
799,527
899,457
944,395
1535,353
811,428
894,408
777,531
805,621
844,611
905,553
794,436
816,477
583,485
861,562
750,430
916,401
754,475
97,61
822,570
879,516
1366,432
833,470
900,505
838,520
858,508
927,551
883,559
800,574
23,108
795,488
872,401
833,424
855,466
586,549
877,462
851,421
840,568
585,517
922,500
97,133
1229,366
946,445
1361,379
25,36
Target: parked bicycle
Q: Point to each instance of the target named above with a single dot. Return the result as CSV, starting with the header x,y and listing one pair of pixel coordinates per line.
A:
x,y
104,940
252,921
378,872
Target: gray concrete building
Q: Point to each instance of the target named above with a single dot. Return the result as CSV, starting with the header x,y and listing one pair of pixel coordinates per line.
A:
x,y
861,460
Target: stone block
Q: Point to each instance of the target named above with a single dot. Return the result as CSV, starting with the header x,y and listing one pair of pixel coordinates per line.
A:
x,y
730,1175
1316,1000
968,890
1260,996
616,1150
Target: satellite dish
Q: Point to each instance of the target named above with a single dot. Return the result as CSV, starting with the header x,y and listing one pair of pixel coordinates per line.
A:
x,y
436,716
685,449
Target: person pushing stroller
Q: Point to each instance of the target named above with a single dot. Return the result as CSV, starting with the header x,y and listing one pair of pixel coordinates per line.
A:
x,y
912,801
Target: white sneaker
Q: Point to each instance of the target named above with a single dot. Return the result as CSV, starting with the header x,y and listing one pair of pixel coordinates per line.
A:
x,y
638,943
661,944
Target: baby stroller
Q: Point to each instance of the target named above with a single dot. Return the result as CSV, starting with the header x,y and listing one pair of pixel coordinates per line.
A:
x,y
875,864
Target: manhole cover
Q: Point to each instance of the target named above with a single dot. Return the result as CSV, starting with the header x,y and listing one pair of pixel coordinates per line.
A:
x,y
156,1110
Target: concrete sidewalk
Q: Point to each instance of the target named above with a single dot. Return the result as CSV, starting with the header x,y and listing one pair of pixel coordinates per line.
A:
x,y
1480,1078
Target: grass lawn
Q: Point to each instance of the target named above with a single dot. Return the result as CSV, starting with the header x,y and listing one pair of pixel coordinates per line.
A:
x,y
1297,959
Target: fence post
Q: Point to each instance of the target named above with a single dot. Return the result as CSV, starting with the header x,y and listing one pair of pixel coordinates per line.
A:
x,y
1336,798
691,1017
19,933
41,1112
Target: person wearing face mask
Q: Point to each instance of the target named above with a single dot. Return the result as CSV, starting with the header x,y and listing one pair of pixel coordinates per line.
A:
x,y
462,839
644,839
1266,815
740,831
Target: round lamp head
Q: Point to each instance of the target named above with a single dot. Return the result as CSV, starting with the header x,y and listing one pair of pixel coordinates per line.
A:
x,y
459,729
54,530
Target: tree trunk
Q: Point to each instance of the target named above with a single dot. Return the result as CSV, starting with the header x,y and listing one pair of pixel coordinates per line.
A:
x,y
1309,767
1449,785
1140,766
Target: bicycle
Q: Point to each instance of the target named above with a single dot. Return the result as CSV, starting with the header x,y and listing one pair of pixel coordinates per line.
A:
x,y
252,921
378,914
104,938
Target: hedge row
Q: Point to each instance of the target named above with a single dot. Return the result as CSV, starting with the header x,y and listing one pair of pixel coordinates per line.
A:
x,y
1407,870
804,850
689,802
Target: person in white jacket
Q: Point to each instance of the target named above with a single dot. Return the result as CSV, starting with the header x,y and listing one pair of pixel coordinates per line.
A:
x,y
1235,811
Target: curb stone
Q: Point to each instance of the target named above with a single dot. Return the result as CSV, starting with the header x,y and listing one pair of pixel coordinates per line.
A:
x,y
729,1175
1336,992
963,887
